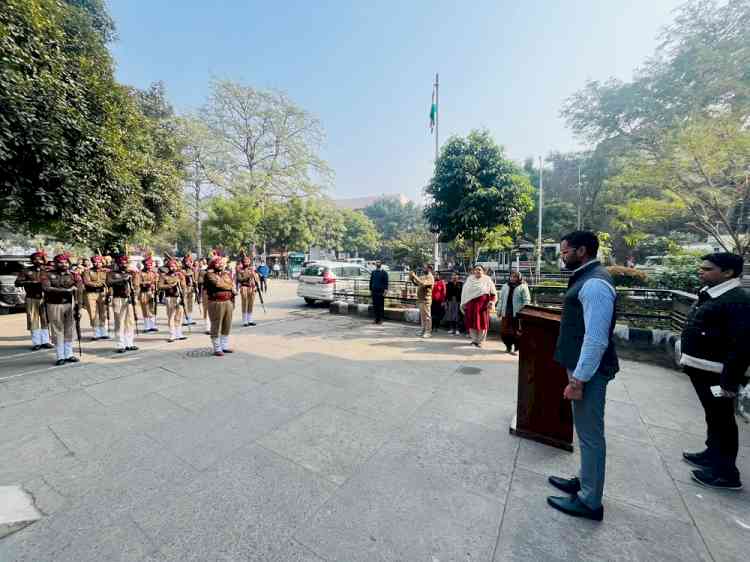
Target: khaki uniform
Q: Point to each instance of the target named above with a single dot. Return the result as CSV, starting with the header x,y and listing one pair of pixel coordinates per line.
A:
x,y
36,316
146,283
191,282
249,283
59,293
95,287
174,287
201,278
424,299
122,287
220,289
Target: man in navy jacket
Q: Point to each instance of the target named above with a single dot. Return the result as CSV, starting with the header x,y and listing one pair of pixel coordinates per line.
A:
x,y
378,287
715,347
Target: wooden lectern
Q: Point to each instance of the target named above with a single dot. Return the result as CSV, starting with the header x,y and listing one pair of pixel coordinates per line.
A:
x,y
542,413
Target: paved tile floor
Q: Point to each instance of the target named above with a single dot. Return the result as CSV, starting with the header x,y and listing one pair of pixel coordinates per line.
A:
x,y
326,438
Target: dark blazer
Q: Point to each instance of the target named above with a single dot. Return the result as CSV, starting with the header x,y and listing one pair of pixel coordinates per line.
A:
x,y
379,281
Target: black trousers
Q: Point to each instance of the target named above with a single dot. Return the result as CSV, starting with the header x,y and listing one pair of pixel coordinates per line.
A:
x,y
722,438
378,303
437,315
263,285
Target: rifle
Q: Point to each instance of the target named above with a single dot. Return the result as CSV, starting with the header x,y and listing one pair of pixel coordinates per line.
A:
x,y
132,303
77,318
107,300
197,297
260,296
181,298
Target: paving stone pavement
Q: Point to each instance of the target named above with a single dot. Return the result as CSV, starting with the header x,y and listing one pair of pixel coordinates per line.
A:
x,y
329,439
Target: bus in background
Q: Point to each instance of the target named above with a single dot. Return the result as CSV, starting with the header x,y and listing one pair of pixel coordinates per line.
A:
x,y
294,264
521,257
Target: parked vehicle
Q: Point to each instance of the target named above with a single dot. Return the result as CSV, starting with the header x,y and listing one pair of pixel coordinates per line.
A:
x,y
12,298
319,281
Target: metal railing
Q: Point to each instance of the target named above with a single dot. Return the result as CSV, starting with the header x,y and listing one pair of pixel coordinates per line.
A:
x,y
640,308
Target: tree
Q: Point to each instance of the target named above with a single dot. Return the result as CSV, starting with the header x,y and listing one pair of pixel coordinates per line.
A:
x,y
475,190
412,248
204,168
285,227
359,233
392,217
681,124
233,223
271,144
78,159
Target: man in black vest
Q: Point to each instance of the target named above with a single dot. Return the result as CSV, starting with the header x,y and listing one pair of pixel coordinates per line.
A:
x,y
586,350
378,287
715,348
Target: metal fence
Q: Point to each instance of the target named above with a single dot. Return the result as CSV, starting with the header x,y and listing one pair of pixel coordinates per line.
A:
x,y
639,308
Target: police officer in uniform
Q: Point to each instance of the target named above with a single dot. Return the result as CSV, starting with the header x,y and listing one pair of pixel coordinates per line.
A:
x,y
172,282
36,317
220,291
147,281
95,286
249,283
191,280
120,279
60,289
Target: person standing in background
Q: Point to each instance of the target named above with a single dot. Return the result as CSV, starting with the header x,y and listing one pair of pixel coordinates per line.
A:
x,y
716,355
36,317
424,299
61,288
514,295
438,303
477,302
173,284
378,288
453,303
263,273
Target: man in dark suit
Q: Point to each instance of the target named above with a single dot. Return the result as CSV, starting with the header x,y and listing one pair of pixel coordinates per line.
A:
x,y
378,287
716,355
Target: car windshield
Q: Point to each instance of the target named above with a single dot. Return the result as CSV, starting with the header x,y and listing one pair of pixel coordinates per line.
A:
x,y
314,271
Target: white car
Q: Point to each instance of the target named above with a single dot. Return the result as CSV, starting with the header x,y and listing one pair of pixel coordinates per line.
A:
x,y
320,281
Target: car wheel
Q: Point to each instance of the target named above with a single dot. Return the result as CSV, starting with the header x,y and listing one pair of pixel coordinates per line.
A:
x,y
309,300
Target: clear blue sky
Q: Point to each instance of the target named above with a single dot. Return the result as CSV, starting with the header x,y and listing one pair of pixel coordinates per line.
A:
x,y
366,68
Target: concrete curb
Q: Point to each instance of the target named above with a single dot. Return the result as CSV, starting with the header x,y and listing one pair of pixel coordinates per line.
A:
x,y
660,347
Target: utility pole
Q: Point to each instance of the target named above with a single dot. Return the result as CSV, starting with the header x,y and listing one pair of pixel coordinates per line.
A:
x,y
541,215
436,247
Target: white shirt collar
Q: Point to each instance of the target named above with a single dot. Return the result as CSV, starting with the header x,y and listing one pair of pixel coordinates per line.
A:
x,y
588,263
718,290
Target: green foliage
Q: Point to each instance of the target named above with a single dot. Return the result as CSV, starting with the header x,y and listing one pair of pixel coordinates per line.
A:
x,y
78,159
360,234
412,248
475,190
680,125
628,277
680,273
392,218
233,223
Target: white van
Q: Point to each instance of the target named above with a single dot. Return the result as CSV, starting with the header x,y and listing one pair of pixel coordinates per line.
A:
x,y
320,280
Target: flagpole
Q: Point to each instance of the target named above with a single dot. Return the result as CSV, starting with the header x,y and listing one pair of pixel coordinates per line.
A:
x,y
541,216
436,248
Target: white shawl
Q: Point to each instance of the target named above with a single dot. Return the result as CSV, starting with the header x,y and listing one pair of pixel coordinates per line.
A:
x,y
474,288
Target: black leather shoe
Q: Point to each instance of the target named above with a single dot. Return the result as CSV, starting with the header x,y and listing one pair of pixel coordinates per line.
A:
x,y
47,346
59,362
568,485
36,348
72,359
182,338
132,348
251,324
573,506
121,350
700,460
709,479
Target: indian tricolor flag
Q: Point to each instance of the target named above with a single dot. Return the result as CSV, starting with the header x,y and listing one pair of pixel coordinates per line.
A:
x,y
433,111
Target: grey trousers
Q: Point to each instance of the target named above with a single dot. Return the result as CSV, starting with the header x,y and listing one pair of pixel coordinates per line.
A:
x,y
588,417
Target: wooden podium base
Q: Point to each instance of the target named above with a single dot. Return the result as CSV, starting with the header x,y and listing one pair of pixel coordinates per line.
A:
x,y
551,441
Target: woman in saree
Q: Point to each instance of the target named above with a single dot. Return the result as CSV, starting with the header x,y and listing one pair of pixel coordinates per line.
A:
x,y
478,298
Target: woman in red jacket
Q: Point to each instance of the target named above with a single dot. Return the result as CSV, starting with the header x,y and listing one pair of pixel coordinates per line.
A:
x,y
438,302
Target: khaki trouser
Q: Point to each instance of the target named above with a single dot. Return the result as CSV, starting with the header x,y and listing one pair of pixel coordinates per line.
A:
x,y
425,316
248,299
61,322
189,298
220,314
174,313
147,304
124,319
35,318
97,308
204,301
